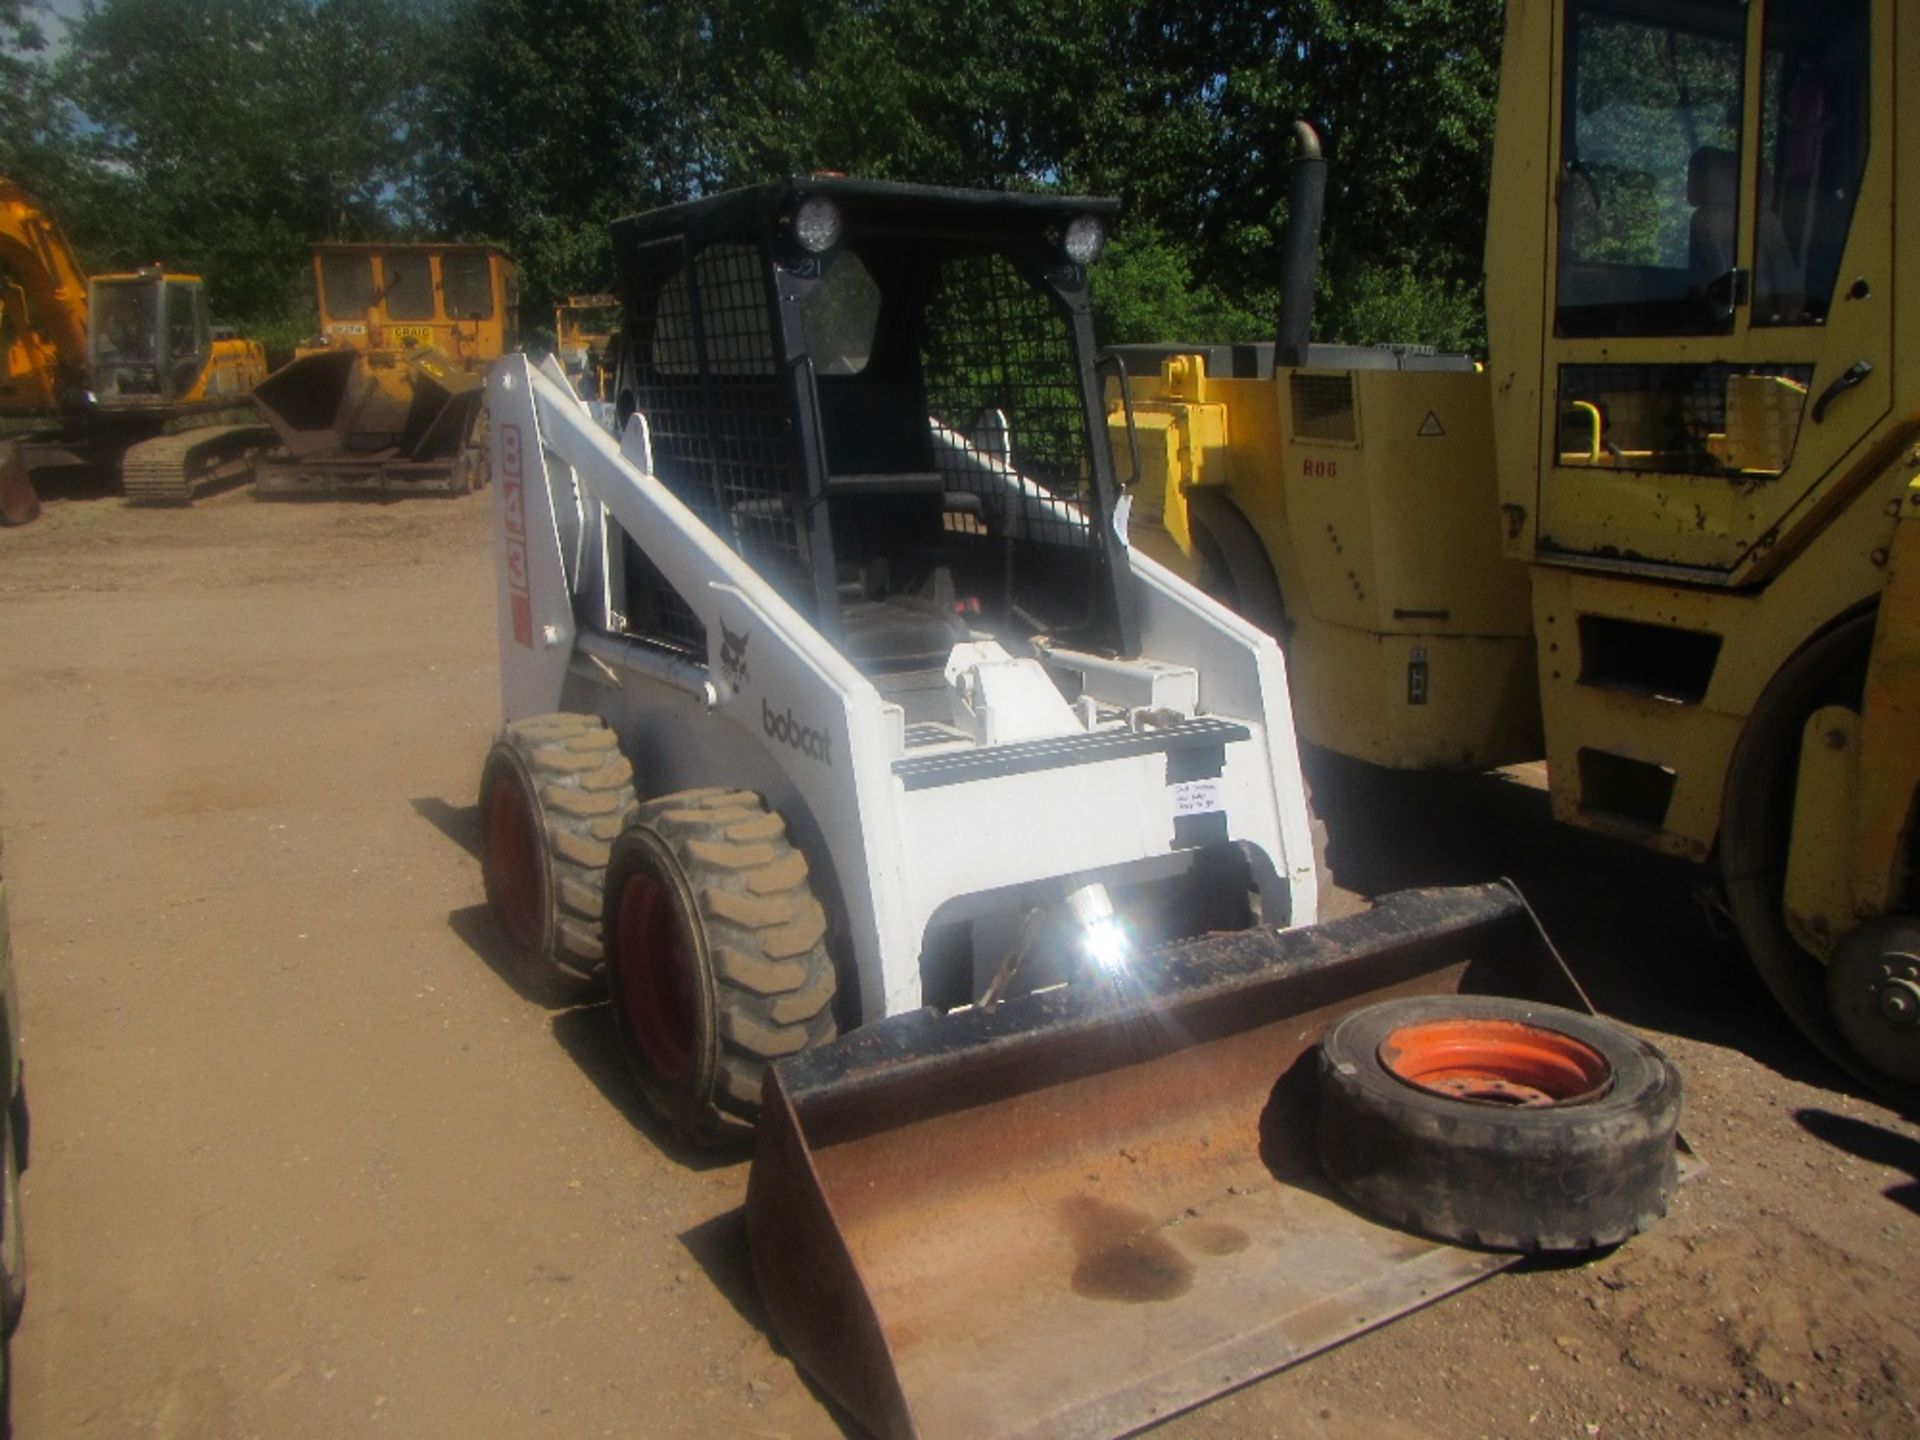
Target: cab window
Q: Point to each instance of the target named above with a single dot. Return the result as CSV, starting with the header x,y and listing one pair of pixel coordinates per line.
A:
x,y
1650,168
186,327
466,286
347,283
841,315
121,322
1813,154
409,285
188,342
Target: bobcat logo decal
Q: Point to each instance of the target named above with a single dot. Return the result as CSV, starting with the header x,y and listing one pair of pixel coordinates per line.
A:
x,y
733,656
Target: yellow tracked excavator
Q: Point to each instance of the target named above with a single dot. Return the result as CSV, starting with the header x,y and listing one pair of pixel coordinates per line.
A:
x,y
113,371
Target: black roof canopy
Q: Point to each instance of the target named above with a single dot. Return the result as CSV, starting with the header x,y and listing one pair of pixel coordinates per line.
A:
x,y
868,207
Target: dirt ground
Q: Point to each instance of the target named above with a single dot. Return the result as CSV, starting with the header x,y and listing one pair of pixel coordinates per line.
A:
x,y
306,1165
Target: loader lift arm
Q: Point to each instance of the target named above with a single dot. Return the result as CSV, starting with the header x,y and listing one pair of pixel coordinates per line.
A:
x,y
43,306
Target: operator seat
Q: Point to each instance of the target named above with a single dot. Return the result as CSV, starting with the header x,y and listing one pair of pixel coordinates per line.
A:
x,y
1713,189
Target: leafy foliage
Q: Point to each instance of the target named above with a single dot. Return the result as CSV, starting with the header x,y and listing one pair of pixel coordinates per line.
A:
x,y
233,132
226,135
547,122
35,128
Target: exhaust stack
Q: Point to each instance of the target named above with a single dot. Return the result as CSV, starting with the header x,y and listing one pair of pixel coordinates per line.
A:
x,y
1306,198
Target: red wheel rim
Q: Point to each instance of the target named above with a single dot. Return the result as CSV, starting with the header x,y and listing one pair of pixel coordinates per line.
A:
x,y
513,862
655,976
1496,1062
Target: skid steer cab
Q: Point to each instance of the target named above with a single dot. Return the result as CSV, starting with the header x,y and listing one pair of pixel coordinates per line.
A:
x,y
837,705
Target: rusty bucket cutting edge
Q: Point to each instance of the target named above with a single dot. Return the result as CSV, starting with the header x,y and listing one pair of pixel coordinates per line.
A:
x,y
1079,1212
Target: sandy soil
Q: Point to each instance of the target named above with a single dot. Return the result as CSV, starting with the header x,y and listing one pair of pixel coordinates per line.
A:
x,y
305,1164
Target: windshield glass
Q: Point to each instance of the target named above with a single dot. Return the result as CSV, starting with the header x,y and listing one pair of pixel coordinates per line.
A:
x,y
123,321
409,281
347,283
1650,163
1813,153
466,286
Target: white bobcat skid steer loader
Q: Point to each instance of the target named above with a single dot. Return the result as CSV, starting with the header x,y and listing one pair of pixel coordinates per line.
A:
x,y
837,705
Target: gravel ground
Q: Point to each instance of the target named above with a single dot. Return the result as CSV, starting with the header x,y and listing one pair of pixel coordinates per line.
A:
x,y
306,1164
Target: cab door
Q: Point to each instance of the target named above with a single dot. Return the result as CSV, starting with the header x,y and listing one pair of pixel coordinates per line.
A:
x,y
1718,329
188,338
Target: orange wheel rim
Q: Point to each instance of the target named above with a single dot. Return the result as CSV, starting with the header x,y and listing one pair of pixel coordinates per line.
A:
x,y
655,965
1496,1062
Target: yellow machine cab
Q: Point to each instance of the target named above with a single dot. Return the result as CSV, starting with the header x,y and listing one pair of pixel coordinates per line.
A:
x,y
458,299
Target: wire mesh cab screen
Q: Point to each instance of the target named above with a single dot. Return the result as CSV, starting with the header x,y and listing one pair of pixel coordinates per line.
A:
x,y
893,432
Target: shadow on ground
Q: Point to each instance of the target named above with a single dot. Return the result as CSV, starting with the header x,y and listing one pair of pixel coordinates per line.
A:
x,y
1629,922
587,1034
76,482
459,823
720,1246
475,926
1870,1142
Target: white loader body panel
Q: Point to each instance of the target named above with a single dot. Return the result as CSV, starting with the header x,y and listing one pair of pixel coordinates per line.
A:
x,y
1192,744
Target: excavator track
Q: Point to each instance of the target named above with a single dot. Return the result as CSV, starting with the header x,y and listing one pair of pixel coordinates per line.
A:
x,y
172,469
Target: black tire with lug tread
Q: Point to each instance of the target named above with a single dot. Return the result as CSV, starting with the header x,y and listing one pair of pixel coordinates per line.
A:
x,y
477,454
1235,567
1236,570
13,1253
717,961
15,1129
1490,1171
554,795
1756,820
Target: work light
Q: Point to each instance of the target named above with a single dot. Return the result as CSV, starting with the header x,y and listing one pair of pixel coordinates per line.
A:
x,y
816,225
1085,237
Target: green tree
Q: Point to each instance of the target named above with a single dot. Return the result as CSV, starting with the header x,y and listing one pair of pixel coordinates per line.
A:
x,y
227,134
546,123
1185,115
1403,92
243,130
36,139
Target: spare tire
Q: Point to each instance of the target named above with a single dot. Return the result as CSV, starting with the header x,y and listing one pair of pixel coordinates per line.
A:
x,y
1497,1123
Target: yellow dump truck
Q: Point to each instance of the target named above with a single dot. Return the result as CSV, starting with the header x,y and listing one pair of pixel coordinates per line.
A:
x,y
387,398
1669,536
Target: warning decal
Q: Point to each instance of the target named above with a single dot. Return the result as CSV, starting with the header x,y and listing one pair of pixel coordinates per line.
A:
x,y
1197,797
513,522
1431,425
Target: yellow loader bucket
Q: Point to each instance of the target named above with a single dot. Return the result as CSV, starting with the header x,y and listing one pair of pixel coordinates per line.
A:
x,y
386,421
1078,1213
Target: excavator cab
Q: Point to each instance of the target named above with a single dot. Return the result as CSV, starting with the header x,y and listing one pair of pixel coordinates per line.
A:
x,y
150,337
152,347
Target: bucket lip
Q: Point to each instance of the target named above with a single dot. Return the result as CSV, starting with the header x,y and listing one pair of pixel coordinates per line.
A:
x,y
894,1049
